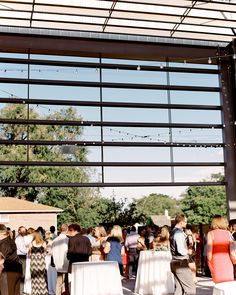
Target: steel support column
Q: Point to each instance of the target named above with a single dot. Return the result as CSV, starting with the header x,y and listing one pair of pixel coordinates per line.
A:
x,y
227,80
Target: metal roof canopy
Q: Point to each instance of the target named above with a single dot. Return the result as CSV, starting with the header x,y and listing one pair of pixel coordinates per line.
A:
x,y
176,30
203,20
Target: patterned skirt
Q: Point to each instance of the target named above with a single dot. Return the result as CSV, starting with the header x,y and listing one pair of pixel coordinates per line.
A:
x,y
38,274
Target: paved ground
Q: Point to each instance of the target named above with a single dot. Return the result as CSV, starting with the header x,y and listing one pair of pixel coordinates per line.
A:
x,y
204,286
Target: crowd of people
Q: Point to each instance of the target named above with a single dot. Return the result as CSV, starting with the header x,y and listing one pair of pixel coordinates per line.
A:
x,y
44,260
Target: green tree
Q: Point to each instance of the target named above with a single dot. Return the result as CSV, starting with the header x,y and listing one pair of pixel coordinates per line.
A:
x,y
83,205
155,204
129,214
38,152
201,203
77,202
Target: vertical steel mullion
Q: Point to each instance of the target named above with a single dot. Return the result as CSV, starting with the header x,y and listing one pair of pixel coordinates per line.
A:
x,y
172,171
228,91
101,116
28,105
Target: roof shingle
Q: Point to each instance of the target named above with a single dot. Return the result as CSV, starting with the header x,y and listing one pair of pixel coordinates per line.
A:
x,y
10,205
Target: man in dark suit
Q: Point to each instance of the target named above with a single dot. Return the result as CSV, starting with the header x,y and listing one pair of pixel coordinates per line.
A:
x,y
79,246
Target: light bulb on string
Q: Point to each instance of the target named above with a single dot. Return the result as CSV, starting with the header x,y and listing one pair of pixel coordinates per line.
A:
x,y
138,68
209,60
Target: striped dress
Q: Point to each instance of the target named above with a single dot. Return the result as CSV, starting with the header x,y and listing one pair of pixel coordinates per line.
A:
x,y
38,271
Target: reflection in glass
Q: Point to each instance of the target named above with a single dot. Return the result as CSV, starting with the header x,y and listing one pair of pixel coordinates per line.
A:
x,y
185,174
64,92
142,174
63,73
134,95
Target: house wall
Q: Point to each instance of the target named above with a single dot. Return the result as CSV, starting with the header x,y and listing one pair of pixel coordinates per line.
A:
x,y
34,220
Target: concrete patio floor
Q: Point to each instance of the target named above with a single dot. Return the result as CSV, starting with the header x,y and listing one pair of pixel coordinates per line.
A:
x,y
204,286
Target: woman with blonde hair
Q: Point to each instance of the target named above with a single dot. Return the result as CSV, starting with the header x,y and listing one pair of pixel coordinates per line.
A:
x,y
114,248
219,240
27,240
38,271
98,246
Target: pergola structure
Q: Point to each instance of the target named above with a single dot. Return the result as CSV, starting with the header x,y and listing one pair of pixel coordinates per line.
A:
x,y
157,37
182,19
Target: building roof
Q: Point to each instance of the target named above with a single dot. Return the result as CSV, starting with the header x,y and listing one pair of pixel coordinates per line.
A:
x,y
13,205
213,20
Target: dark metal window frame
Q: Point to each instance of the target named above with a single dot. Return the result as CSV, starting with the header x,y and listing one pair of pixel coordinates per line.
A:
x,y
118,47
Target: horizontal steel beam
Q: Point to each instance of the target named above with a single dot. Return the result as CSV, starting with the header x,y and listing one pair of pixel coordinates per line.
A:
x,y
66,45
114,143
110,184
111,164
114,66
108,84
107,123
107,104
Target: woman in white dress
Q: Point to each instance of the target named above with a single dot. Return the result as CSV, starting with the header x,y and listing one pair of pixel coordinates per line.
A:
x,y
28,239
51,270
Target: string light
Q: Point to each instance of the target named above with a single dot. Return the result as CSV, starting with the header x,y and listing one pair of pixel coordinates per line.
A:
x,y
149,136
208,59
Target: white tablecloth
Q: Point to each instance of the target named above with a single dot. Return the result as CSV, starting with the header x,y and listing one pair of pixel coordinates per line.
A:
x,y
226,288
154,276
96,278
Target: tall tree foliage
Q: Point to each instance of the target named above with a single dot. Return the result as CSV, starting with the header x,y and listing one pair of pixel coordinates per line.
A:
x,y
67,198
83,205
155,204
201,203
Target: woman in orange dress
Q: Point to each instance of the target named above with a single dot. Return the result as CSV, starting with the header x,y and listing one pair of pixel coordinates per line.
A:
x,y
218,250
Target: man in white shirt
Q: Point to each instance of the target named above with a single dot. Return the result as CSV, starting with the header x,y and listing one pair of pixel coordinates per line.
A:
x,y
21,247
184,283
59,252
